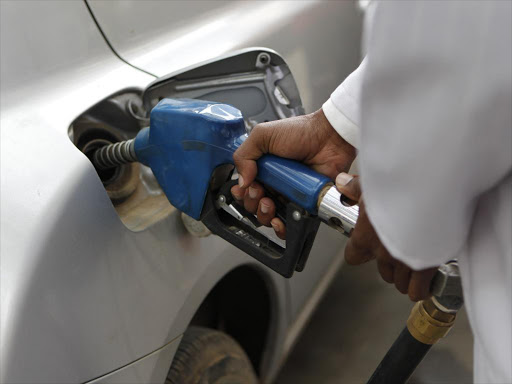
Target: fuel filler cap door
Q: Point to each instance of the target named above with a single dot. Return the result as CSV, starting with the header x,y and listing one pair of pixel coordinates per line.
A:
x,y
255,80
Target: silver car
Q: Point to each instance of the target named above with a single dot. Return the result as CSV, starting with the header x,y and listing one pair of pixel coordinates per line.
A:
x,y
102,280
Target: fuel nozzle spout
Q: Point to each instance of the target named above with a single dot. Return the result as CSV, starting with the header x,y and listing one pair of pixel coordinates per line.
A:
x,y
113,155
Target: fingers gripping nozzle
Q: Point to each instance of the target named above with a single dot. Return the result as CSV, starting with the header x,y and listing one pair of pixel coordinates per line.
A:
x,y
112,155
189,145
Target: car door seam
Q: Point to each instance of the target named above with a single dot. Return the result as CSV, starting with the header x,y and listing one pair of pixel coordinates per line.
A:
x,y
110,45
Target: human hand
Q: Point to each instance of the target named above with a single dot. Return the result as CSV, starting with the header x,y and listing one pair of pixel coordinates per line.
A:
x,y
309,139
364,245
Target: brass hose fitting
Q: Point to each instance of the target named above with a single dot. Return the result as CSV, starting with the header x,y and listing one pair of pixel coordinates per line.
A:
x,y
430,320
427,323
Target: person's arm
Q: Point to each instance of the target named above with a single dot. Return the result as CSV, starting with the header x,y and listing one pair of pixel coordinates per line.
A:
x,y
309,139
325,140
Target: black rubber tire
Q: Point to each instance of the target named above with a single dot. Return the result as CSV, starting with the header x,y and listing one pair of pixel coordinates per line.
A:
x,y
208,356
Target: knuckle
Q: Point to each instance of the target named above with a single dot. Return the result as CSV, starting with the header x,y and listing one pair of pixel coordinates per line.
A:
x,y
237,157
236,194
260,127
248,205
257,129
387,277
348,259
386,274
402,290
262,135
257,134
281,233
415,296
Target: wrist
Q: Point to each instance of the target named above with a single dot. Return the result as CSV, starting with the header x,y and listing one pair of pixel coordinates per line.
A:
x,y
323,123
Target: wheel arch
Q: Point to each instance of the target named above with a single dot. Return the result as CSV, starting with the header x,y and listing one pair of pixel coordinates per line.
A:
x,y
245,298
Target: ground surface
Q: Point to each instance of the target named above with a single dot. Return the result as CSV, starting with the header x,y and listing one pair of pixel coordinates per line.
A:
x,y
354,325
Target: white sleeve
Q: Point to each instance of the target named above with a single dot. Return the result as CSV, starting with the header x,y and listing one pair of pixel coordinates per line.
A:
x,y
436,127
343,107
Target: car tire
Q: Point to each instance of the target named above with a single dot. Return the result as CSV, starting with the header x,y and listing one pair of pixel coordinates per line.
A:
x,y
208,356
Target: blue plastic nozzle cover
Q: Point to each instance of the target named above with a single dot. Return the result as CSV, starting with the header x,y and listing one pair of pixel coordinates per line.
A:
x,y
187,139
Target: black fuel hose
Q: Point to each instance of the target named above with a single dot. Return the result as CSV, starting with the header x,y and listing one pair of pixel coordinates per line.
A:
x,y
430,320
401,360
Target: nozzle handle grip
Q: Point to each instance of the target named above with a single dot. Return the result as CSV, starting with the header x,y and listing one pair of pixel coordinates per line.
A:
x,y
296,181
188,139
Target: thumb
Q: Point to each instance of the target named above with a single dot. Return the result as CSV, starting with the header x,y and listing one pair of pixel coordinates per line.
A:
x,y
246,155
349,186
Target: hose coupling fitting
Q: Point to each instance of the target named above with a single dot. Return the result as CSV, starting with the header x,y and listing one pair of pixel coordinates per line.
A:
x,y
427,323
334,213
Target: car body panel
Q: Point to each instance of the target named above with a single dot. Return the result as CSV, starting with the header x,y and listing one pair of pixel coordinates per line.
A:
x,y
318,39
81,294
150,369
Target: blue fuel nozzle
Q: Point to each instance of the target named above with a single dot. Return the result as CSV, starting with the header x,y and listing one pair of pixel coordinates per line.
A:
x,y
188,139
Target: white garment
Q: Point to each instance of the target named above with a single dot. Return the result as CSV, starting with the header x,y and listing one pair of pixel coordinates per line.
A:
x,y
343,108
436,151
